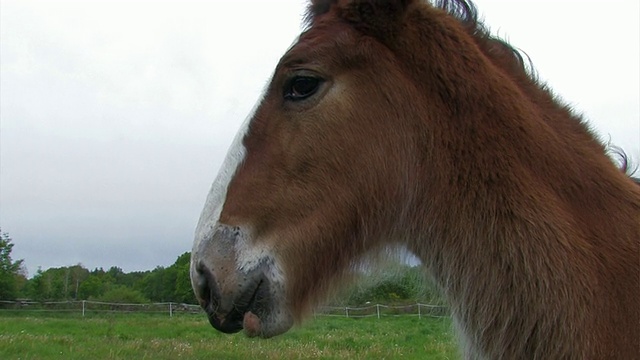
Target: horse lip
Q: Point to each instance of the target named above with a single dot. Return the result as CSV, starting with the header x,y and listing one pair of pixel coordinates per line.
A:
x,y
232,321
228,325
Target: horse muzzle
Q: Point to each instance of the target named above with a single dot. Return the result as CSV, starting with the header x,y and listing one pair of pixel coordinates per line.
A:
x,y
227,313
238,286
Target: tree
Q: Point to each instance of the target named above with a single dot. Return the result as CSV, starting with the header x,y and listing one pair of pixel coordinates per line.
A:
x,y
44,285
183,290
163,284
10,270
123,294
92,288
152,285
169,284
76,275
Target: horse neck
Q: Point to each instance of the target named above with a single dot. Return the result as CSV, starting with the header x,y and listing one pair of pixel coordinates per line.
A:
x,y
524,222
520,261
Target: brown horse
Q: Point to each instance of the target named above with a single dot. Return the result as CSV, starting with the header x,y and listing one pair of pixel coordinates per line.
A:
x,y
405,123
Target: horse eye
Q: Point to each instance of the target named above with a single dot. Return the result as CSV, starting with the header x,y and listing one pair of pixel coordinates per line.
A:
x,y
301,87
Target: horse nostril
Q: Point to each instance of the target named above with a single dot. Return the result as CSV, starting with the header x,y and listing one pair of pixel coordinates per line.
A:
x,y
201,279
206,288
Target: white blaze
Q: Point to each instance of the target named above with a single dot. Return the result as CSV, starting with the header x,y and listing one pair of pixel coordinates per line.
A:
x,y
249,254
218,193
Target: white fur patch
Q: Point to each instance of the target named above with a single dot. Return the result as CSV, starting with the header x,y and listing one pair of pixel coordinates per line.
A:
x,y
250,256
218,193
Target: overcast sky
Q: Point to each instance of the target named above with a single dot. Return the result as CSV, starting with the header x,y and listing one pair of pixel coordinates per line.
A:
x,y
115,116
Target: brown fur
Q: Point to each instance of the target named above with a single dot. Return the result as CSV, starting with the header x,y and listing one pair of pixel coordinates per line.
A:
x,y
430,133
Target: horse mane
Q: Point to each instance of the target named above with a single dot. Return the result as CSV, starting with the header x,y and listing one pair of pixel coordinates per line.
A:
x,y
625,164
463,10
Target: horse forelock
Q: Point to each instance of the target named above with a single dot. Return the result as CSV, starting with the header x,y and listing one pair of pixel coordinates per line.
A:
x,y
385,20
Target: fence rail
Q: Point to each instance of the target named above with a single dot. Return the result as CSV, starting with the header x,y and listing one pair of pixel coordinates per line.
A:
x,y
86,307
380,310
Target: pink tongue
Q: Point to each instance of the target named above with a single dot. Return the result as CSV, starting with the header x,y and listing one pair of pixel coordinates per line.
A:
x,y
251,324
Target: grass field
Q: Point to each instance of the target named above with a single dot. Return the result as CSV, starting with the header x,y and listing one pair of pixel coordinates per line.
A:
x,y
156,336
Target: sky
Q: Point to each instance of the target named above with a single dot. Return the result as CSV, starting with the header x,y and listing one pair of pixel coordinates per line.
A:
x,y
115,116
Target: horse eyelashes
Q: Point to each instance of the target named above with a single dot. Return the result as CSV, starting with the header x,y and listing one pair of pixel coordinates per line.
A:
x,y
301,87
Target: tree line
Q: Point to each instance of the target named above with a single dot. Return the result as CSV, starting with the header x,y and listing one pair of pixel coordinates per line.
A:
x,y
162,284
397,284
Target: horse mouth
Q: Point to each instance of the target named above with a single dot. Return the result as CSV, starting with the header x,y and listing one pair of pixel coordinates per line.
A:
x,y
237,295
245,313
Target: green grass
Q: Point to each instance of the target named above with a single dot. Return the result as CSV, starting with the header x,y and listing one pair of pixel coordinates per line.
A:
x,y
156,336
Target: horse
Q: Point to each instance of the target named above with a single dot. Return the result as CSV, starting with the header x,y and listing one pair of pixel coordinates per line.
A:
x,y
405,123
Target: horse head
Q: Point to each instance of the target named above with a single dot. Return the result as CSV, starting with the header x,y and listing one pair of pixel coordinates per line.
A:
x,y
405,122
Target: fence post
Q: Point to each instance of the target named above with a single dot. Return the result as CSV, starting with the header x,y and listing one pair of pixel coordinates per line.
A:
x,y
346,311
170,310
83,302
419,314
378,310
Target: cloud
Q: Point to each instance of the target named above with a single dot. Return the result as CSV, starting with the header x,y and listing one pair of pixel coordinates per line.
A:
x,y
115,116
